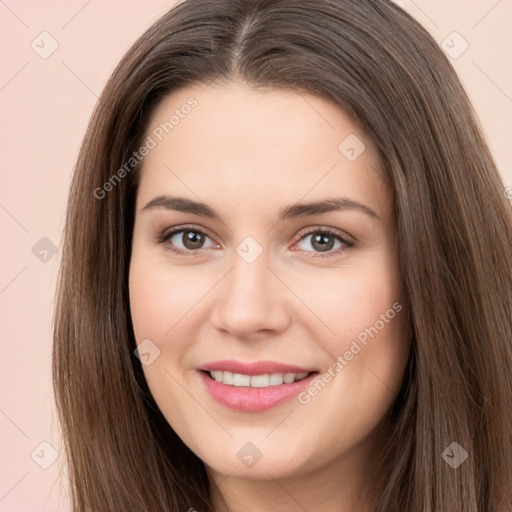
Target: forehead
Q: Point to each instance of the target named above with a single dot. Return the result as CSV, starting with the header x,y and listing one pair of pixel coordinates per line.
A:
x,y
253,145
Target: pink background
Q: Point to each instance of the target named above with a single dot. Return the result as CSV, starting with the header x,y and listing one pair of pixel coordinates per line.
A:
x,y
45,106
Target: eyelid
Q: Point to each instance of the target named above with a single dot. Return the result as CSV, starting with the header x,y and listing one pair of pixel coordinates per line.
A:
x,y
347,241
166,234
343,235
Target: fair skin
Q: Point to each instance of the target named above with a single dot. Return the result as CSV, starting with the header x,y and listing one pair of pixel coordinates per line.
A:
x,y
248,154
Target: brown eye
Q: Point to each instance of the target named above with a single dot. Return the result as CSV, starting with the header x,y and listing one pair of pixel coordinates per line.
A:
x,y
192,239
324,243
185,239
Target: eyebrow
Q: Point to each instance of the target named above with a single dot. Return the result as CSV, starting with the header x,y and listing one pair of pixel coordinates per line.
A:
x,y
185,205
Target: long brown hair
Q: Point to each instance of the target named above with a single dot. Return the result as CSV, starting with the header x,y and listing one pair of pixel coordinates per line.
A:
x,y
455,240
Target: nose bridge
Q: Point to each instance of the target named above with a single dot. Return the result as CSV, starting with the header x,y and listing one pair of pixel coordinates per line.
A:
x,y
250,273
248,283
249,297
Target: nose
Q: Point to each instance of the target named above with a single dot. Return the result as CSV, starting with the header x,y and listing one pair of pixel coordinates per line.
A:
x,y
251,301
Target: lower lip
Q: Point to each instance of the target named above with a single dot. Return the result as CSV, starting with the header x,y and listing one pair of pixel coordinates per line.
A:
x,y
251,399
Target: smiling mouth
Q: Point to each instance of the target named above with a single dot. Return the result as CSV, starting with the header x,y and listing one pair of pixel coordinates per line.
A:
x,y
256,381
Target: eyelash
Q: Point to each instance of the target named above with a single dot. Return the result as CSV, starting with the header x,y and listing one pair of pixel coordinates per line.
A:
x,y
347,243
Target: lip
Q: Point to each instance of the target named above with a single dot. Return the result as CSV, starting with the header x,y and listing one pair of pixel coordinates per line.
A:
x,y
254,368
249,399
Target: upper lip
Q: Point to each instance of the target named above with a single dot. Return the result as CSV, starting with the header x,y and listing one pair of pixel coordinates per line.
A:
x,y
254,368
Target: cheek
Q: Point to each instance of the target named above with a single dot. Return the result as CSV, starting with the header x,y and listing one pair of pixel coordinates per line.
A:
x,y
361,319
367,354
162,308
160,296
348,300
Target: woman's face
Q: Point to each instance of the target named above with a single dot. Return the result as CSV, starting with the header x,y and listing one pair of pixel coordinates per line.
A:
x,y
304,331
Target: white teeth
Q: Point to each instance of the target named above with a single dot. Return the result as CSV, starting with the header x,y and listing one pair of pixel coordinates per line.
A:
x,y
276,379
241,380
256,381
227,378
260,381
